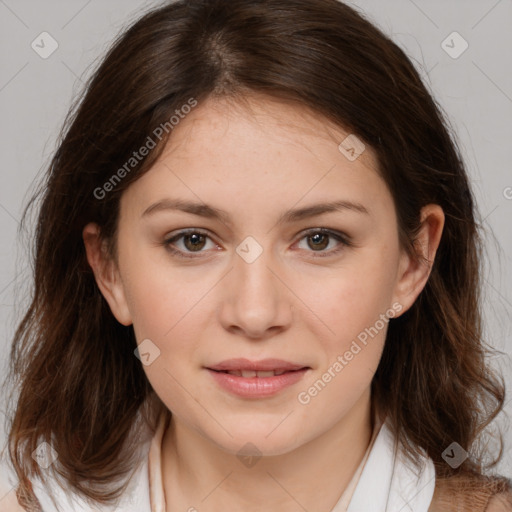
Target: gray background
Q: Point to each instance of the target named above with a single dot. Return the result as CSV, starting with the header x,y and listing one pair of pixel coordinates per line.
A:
x,y
474,89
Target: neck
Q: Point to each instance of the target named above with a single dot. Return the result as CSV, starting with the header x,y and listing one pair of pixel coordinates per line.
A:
x,y
198,473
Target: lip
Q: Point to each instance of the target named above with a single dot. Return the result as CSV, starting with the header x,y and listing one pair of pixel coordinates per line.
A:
x,y
261,365
256,387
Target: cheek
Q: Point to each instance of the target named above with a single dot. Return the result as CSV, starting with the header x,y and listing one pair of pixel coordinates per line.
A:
x,y
350,299
160,298
170,310
354,308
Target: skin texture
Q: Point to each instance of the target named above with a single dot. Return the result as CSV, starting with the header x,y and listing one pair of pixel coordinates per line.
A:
x,y
256,161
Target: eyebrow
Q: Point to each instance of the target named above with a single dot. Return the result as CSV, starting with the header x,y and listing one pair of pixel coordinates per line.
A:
x,y
294,215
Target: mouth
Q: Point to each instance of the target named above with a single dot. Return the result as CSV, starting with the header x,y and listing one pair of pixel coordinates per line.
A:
x,y
256,379
241,365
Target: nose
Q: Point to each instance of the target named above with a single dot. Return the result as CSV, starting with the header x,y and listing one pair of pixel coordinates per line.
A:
x,y
256,302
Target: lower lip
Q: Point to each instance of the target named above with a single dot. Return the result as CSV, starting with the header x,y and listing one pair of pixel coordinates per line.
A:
x,y
256,387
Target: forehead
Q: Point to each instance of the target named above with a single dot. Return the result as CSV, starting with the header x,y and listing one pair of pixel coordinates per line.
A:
x,y
256,119
237,152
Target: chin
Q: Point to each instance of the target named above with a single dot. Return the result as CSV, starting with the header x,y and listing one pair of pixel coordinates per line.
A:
x,y
258,439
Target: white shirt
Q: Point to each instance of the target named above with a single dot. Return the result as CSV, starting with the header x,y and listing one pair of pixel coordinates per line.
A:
x,y
383,482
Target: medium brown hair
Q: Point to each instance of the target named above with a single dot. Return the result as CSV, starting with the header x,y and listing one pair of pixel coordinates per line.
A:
x,y
79,385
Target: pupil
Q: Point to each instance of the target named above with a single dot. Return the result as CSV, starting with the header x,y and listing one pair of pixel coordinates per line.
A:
x,y
318,238
194,239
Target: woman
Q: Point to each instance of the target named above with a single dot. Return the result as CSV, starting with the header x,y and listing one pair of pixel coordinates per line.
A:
x,y
256,276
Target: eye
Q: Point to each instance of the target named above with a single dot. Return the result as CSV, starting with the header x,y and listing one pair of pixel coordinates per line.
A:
x,y
319,239
193,241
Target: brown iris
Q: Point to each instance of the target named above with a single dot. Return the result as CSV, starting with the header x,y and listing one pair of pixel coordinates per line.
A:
x,y
318,239
197,241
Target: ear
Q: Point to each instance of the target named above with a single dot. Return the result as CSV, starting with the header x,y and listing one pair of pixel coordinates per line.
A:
x,y
106,273
413,275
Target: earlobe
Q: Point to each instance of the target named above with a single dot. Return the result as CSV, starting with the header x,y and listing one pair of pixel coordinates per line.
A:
x,y
106,273
414,272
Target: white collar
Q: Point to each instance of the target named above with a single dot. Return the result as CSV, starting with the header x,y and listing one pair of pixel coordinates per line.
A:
x,y
388,483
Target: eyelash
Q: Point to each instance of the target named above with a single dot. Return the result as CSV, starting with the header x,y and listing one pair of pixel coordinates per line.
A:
x,y
343,239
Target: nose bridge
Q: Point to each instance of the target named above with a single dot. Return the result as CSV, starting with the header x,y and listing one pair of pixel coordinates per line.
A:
x,y
255,300
254,278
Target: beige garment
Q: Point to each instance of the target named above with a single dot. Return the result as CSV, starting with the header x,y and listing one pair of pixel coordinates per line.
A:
x,y
156,490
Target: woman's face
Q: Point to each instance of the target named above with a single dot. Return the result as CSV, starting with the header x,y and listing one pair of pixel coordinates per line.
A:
x,y
255,279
